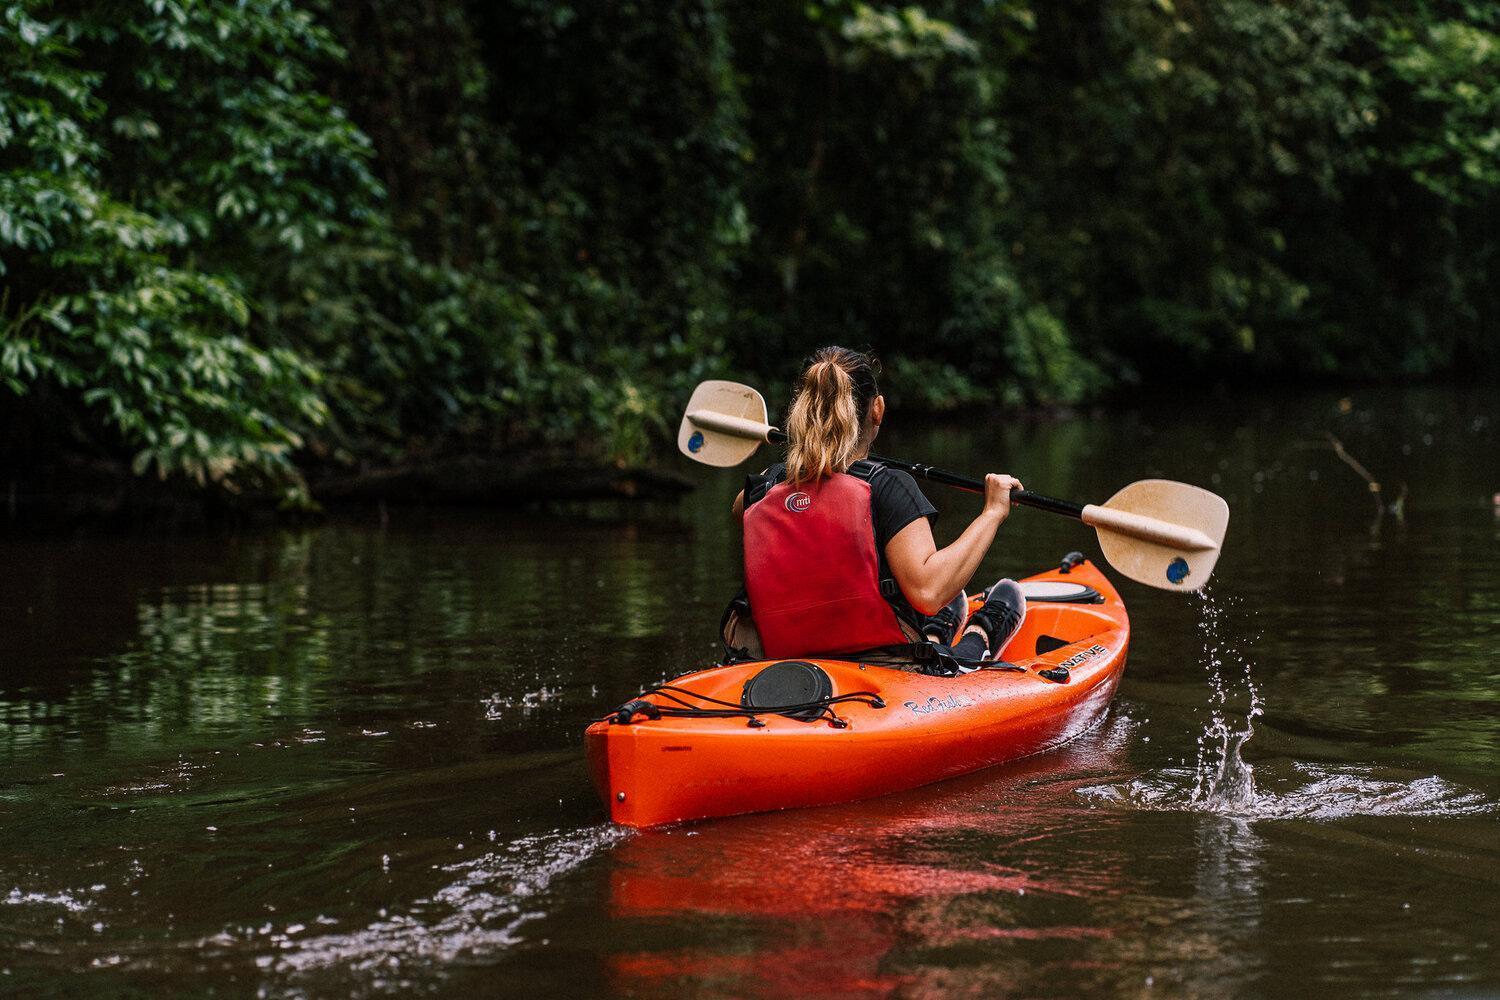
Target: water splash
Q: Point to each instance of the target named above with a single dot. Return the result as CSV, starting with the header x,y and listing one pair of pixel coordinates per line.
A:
x,y
1222,781
1223,784
498,706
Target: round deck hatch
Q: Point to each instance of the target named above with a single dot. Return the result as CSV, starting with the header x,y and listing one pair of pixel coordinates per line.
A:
x,y
790,682
1060,592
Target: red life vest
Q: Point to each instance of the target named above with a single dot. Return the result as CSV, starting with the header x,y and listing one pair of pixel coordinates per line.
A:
x,y
812,572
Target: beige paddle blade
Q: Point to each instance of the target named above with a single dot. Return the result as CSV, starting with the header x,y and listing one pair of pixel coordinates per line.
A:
x,y
1161,533
725,422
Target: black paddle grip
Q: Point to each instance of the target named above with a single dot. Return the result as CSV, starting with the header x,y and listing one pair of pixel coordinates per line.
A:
x,y
1025,498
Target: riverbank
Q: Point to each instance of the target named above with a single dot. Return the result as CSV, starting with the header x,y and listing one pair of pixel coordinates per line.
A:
x,y
73,491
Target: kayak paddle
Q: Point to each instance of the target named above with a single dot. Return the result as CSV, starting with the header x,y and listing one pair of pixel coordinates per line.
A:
x,y
1157,532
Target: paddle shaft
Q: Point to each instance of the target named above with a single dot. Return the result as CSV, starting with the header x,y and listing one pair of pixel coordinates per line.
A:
x,y
1025,498
1122,517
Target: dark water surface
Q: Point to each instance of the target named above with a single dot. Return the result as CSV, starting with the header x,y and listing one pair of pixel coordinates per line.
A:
x,y
347,760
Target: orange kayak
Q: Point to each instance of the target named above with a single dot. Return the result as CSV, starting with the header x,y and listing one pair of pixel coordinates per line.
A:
x,y
709,744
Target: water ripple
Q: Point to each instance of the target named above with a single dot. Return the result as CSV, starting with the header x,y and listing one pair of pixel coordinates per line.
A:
x,y
474,916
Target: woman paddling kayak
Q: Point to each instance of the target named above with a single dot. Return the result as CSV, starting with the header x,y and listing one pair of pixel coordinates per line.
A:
x,y
839,553
839,556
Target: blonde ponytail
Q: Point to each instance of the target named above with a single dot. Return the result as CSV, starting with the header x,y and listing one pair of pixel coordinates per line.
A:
x,y
827,415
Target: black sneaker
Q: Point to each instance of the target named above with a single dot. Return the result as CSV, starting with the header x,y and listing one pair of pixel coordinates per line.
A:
x,y
942,626
1000,618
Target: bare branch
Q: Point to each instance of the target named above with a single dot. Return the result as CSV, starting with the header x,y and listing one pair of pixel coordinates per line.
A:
x,y
1353,463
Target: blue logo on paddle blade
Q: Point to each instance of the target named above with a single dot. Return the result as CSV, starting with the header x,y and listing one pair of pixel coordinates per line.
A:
x,y
695,443
1177,570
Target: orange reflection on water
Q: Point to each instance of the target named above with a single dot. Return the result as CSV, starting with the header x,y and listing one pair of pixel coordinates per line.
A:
x,y
831,901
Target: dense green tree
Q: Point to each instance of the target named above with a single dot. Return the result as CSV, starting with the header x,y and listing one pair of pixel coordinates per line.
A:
x,y
155,157
241,240
880,199
1238,186
563,188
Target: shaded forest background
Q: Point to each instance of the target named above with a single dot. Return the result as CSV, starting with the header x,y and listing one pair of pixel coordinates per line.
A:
x,y
245,243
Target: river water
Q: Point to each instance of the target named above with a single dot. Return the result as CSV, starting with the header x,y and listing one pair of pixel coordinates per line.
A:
x,y
346,760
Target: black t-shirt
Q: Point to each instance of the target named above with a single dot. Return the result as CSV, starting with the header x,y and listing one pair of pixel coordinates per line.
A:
x,y
895,498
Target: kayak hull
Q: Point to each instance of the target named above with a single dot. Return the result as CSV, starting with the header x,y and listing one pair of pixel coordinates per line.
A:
x,y
669,770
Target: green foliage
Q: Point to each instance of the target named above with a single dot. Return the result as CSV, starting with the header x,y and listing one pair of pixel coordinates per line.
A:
x,y
558,271
881,208
152,151
1156,192
243,238
1452,68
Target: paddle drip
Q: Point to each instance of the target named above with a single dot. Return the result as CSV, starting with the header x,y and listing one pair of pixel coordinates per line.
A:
x,y
1223,782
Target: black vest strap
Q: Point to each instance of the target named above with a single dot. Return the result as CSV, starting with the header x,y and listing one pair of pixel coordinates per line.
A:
x,y
758,484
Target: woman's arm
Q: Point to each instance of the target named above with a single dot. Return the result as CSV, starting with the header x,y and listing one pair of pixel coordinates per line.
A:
x,y
737,509
931,577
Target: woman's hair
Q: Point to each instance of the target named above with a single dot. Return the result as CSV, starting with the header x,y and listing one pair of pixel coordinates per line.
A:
x,y
828,412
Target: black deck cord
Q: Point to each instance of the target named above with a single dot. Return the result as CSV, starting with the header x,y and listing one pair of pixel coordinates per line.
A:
x,y
729,710
867,697
682,709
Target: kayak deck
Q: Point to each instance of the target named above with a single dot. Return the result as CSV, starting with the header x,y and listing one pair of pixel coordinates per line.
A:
x,y
912,730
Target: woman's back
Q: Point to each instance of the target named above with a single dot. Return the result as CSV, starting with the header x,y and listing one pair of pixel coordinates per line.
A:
x,y
839,555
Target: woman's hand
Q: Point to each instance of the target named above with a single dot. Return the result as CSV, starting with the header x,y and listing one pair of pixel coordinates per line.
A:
x,y
997,489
